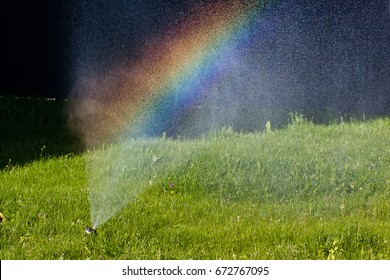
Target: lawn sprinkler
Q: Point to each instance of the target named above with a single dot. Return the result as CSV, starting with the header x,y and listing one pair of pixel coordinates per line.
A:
x,y
90,231
2,217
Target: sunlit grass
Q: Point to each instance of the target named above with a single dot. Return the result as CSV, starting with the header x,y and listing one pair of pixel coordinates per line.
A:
x,y
304,192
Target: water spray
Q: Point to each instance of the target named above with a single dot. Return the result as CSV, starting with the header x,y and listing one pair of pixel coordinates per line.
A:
x,y
218,65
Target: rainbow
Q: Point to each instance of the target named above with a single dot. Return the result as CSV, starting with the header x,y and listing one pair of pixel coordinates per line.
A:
x,y
172,73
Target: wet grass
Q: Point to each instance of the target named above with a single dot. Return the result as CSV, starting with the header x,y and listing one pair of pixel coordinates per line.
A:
x,y
303,192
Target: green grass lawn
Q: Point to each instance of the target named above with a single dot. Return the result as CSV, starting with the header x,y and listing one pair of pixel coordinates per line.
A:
x,y
303,192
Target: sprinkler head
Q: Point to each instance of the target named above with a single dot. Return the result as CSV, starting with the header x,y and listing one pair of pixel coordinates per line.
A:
x,y
90,231
2,217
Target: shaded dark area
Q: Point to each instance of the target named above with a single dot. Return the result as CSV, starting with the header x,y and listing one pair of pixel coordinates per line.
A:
x,y
34,39
34,66
321,58
45,44
34,128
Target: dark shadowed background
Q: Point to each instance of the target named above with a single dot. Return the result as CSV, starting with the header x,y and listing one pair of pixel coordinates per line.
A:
x,y
336,51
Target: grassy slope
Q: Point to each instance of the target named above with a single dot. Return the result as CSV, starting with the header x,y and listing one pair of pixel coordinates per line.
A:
x,y
304,192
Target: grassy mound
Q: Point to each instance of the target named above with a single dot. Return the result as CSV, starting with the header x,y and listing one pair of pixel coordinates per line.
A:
x,y
304,192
